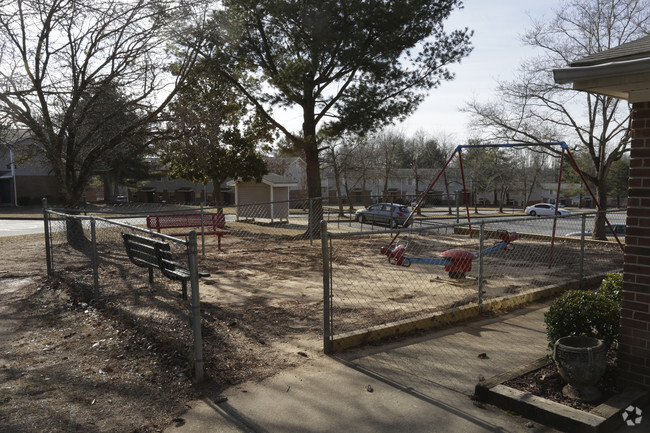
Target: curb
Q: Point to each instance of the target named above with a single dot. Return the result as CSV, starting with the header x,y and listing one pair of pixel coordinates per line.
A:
x,y
340,342
605,418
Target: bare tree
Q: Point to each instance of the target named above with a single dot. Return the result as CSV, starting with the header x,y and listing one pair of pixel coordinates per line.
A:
x,y
340,155
422,154
533,109
528,168
60,60
388,142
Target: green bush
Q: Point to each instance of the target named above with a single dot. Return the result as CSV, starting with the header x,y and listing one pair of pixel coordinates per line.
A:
x,y
612,286
586,312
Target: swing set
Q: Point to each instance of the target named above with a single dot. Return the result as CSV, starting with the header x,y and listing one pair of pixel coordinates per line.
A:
x,y
458,262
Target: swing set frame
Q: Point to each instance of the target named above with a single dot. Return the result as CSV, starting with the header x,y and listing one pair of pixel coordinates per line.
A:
x,y
458,150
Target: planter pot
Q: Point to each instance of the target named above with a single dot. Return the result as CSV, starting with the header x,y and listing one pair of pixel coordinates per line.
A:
x,y
581,361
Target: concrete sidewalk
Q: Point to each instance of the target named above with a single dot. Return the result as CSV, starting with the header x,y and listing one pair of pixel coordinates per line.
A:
x,y
418,385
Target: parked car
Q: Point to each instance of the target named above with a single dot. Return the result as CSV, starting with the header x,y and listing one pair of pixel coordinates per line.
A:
x,y
545,209
619,229
391,214
121,199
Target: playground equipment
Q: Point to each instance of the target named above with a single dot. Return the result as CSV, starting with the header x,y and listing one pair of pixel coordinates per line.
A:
x,y
457,262
453,259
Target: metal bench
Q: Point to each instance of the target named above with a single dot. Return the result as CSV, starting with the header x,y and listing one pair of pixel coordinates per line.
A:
x,y
155,254
211,223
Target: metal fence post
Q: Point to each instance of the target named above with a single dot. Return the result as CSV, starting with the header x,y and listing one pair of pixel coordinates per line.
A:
x,y
327,293
202,233
582,251
93,259
192,252
48,244
310,218
480,265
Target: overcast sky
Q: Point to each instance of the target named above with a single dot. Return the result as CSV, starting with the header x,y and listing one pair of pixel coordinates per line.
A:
x,y
498,52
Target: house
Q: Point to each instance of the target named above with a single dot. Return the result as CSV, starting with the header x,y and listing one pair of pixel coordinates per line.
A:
x,y
546,192
25,176
368,186
268,199
624,72
169,190
164,189
293,168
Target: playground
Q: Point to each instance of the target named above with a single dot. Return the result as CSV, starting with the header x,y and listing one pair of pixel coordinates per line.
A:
x,y
261,307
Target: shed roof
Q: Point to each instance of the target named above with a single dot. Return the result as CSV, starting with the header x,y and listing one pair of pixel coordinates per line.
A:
x,y
271,179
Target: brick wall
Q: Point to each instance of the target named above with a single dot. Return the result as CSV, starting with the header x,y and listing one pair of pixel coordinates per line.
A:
x,y
634,349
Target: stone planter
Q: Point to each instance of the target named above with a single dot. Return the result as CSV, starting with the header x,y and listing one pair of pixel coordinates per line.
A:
x,y
581,361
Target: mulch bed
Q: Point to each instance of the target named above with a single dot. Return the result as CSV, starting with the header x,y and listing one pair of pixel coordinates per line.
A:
x,y
547,383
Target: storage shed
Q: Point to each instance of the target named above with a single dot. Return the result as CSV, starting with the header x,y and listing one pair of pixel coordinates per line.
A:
x,y
265,200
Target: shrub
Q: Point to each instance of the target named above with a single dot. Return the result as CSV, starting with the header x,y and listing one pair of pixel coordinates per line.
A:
x,y
612,286
586,312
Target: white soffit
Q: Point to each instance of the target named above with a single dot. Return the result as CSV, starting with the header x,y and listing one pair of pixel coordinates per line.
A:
x,y
624,79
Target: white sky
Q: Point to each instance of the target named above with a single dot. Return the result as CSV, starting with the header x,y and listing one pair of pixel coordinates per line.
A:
x,y
498,52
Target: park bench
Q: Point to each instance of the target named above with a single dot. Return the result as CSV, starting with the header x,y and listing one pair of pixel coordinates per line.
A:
x,y
155,254
212,222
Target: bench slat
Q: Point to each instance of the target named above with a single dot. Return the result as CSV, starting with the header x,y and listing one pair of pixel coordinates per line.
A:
x,y
151,253
141,250
212,220
147,258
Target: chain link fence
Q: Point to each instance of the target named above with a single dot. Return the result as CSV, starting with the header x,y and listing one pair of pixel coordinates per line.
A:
x,y
437,272
267,258
86,248
89,253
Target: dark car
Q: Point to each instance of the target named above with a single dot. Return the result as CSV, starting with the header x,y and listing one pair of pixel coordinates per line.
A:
x,y
390,214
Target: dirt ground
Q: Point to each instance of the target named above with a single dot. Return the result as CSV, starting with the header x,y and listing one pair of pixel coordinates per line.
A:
x,y
67,365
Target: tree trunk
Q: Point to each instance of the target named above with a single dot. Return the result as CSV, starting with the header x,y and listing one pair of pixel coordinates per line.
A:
x,y
599,221
385,192
107,188
216,191
310,146
417,193
502,199
349,196
444,179
75,234
115,174
339,196
473,195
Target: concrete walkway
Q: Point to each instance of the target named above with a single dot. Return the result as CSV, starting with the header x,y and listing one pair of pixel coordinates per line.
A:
x,y
420,385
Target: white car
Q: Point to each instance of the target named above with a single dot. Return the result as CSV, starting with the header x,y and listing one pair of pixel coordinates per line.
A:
x,y
545,209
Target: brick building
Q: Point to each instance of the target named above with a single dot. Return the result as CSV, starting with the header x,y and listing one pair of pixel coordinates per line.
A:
x,y
624,72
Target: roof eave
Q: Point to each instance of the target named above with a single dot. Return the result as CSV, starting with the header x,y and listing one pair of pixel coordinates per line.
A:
x,y
604,70
621,79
